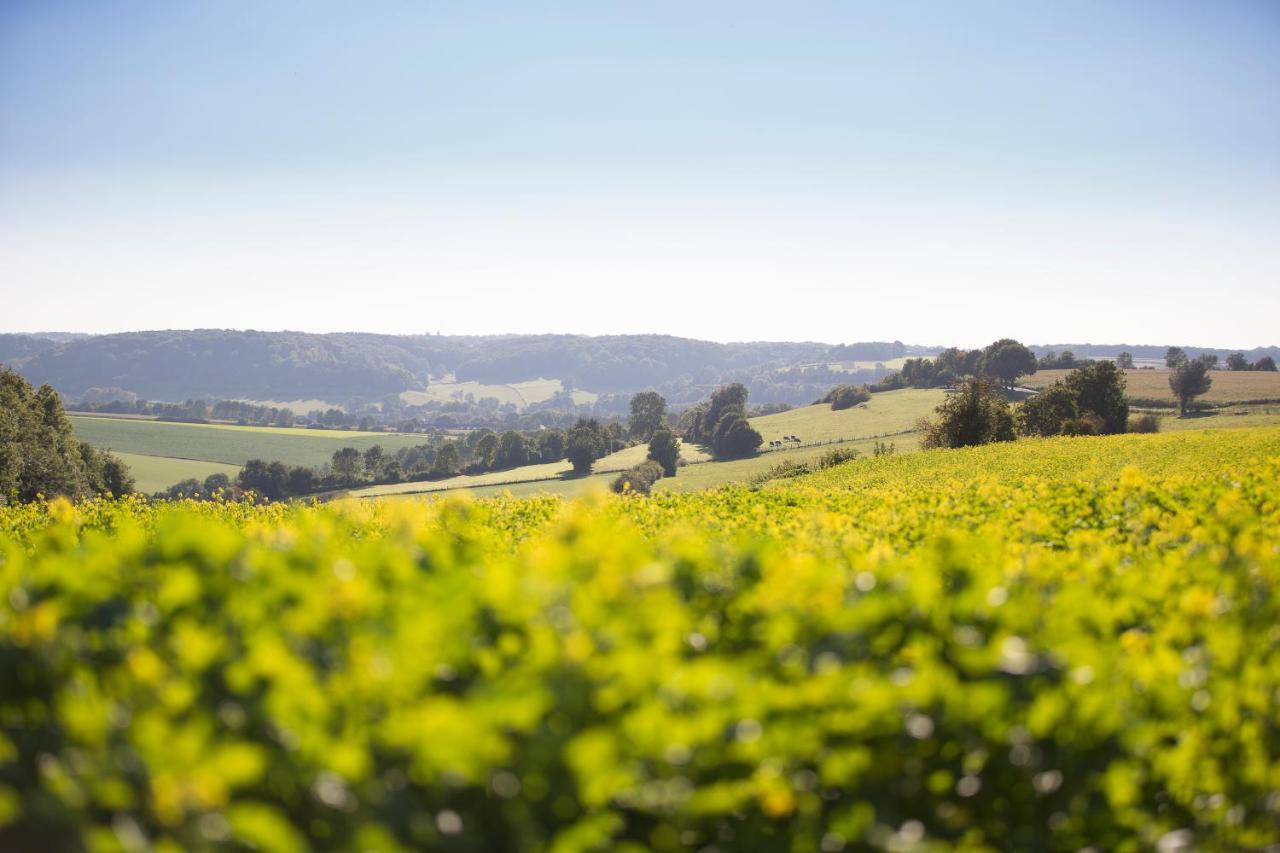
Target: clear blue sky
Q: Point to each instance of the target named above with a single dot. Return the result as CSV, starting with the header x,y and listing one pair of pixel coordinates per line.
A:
x,y
933,172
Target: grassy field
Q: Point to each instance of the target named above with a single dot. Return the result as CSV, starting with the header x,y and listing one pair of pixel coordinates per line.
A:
x,y
884,414
156,473
1047,645
230,445
519,394
1232,417
1229,386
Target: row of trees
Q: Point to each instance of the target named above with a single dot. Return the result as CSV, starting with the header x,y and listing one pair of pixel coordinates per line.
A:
x,y
477,452
1237,361
1002,361
1089,401
39,453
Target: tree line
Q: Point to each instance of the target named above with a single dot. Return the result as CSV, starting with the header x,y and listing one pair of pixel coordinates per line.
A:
x,y
1002,361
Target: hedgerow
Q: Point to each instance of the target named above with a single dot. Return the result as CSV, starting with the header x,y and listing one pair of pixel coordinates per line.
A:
x,y
933,650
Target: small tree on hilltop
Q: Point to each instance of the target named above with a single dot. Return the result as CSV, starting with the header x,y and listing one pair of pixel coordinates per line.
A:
x,y
977,414
664,448
1006,360
1189,380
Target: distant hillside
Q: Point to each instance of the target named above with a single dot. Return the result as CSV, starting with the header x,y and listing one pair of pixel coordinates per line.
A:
x,y
215,363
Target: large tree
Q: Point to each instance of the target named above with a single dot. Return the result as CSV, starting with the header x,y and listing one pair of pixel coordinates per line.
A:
x,y
1175,357
1006,360
346,465
39,453
512,450
1237,361
447,460
702,420
735,437
585,443
1099,389
1124,361
648,414
976,414
551,445
269,479
1189,380
1049,412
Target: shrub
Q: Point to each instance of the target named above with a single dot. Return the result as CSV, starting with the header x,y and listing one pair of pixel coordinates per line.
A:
x,y
638,480
664,448
846,396
1144,423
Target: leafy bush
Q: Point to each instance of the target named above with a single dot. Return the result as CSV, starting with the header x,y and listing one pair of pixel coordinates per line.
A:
x,y
846,396
1144,423
639,479
974,415
1072,644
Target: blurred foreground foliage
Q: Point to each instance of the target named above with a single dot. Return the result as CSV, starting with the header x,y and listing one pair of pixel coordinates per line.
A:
x,y
931,651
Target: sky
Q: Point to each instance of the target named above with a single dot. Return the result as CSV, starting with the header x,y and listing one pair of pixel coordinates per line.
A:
x,y
931,172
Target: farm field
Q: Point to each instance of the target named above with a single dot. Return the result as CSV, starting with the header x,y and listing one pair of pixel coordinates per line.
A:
x,y
1051,644
230,445
157,473
518,394
1229,386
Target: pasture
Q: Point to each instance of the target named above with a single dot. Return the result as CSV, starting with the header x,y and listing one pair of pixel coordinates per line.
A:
x,y
884,414
1152,386
157,473
230,445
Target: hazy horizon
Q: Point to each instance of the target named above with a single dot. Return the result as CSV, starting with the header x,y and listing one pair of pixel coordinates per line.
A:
x,y
730,172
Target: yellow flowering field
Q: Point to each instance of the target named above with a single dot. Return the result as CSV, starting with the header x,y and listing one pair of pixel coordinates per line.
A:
x,y
1042,645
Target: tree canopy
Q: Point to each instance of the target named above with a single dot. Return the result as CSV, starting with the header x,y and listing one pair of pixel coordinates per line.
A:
x,y
1189,380
976,414
648,414
39,453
